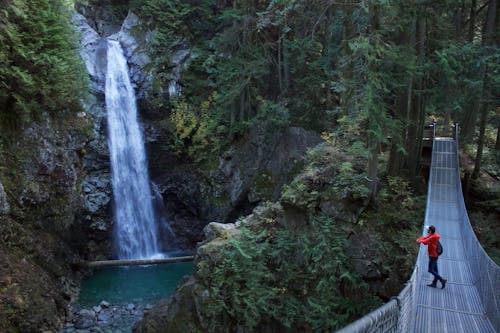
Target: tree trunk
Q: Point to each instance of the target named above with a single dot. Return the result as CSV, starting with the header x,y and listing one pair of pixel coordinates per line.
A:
x,y
458,20
469,121
480,144
280,66
283,65
242,104
497,145
468,125
286,65
415,105
232,119
396,157
472,20
372,172
488,39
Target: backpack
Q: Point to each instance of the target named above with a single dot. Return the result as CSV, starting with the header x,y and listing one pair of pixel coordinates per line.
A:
x,y
439,248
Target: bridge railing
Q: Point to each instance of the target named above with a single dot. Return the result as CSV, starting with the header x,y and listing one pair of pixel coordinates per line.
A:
x,y
398,314
394,316
485,271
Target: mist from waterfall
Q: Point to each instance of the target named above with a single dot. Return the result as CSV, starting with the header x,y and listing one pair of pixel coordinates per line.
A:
x,y
136,231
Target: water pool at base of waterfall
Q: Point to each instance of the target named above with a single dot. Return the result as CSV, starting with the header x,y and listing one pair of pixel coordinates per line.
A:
x,y
114,298
132,284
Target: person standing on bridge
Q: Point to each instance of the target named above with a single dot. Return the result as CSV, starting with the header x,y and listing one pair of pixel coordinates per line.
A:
x,y
431,240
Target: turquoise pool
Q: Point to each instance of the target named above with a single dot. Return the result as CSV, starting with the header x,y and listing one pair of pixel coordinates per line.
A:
x,y
140,285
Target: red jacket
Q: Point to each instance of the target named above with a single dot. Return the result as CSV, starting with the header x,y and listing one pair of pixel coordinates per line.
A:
x,y
432,242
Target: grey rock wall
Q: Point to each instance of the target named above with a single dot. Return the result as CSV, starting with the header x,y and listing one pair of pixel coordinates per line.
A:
x,y
253,170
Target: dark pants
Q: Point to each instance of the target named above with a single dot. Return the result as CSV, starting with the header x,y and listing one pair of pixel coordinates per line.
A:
x,y
433,269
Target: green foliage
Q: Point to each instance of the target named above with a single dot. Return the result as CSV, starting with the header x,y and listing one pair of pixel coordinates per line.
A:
x,y
399,213
280,274
193,130
486,225
294,279
174,24
456,69
490,158
379,67
116,9
333,174
40,68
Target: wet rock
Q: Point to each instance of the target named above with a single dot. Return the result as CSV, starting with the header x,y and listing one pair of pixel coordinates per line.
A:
x,y
180,58
104,316
85,319
97,192
134,40
89,42
110,319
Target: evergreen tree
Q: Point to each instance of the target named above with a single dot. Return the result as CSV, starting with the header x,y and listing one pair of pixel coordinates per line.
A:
x,y
40,68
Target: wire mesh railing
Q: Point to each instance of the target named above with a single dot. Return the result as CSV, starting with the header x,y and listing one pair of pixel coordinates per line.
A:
x,y
398,315
394,316
485,271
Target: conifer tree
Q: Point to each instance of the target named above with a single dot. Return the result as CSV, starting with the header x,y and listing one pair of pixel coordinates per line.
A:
x,y
39,64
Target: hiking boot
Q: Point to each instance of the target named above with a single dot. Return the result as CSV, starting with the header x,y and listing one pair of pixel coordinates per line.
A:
x,y
432,285
443,283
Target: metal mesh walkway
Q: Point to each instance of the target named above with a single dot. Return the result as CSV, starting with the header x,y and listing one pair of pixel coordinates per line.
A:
x,y
458,307
470,301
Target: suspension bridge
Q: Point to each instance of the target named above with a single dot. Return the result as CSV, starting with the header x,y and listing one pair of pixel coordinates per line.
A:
x,y
470,301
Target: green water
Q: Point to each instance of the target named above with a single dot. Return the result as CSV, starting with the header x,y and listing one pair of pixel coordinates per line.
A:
x,y
132,284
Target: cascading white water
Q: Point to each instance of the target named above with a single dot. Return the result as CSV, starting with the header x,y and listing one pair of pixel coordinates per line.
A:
x,y
136,231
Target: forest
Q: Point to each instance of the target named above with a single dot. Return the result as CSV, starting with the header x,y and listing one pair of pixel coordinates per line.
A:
x,y
371,73
367,75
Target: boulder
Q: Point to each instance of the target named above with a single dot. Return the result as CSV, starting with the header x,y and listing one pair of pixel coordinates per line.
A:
x,y
104,316
178,314
85,319
214,230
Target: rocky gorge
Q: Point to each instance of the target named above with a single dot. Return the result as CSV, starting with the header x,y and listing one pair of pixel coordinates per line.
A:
x,y
58,212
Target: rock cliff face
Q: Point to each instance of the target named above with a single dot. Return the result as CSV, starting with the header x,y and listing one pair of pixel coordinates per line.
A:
x,y
253,170
39,201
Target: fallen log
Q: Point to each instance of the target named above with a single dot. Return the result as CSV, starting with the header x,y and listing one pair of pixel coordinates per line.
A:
x,y
130,262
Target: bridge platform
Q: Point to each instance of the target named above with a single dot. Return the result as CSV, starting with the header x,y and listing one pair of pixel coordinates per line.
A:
x,y
458,307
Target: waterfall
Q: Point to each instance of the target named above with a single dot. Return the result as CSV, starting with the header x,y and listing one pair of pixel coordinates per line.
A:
x,y
136,231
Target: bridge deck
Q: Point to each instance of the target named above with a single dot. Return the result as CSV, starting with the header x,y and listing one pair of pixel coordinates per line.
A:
x,y
458,307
